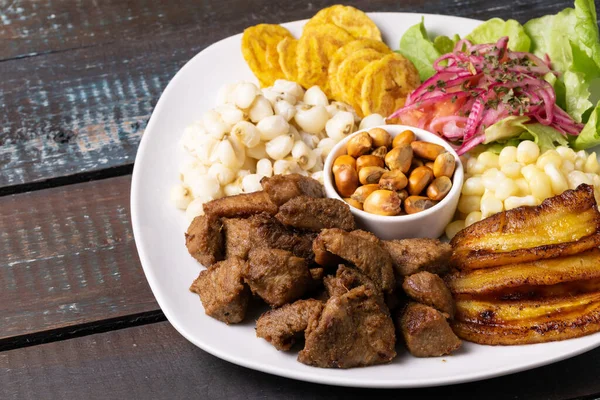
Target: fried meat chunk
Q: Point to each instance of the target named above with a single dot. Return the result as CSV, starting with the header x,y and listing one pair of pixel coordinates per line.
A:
x,y
282,188
346,279
410,256
314,214
222,291
429,289
241,205
277,276
354,330
204,240
282,326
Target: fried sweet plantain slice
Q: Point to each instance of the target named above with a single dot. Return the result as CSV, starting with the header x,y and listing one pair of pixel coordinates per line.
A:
x,y
579,322
562,225
501,312
350,19
259,48
351,66
578,267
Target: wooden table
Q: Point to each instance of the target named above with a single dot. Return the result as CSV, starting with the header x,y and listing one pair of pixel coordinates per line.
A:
x,y
78,81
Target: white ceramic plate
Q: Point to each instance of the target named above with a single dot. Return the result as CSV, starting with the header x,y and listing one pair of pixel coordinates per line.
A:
x,y
158,228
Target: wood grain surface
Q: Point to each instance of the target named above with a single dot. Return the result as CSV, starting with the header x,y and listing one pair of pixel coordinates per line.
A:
x,y
80,78
68,258
155,362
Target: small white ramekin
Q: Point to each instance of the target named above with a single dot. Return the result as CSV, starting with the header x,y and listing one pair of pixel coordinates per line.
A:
x,y
429,223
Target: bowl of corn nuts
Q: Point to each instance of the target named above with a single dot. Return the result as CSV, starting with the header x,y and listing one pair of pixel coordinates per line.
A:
x,y
399,181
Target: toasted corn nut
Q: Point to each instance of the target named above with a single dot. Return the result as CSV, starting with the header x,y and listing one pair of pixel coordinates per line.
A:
x,y
380,137
427,150
419,179
400,158
383,202
359,145
393,180
429,165
403,194
415,204
346,180
368,160
444,165
353,203
416,162
380,152
369,175
439,188
362,192
406,137
343,160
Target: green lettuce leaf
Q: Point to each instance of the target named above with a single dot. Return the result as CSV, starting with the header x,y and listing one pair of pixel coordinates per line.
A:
x,y
512,130
495,28
546,137
419,49
504,129
444,44
590,135
586,28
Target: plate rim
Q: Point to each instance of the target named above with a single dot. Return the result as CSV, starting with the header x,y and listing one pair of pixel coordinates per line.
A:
x,y
265,368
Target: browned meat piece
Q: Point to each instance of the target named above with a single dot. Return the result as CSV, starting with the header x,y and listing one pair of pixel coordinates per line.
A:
x,y
241,205
282,188
204,240
314,214
316,274
322,256
281,326
277,276
426,331
366,235
346,279
222,291
366,255
262,230
354,330
429,289
413,255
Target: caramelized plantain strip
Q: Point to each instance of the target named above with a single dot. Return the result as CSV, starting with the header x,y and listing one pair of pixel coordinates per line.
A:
x,y
579,267
562,225
503,312
581,322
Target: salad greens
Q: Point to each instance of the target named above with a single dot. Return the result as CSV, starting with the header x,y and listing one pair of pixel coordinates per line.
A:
x,y
569,38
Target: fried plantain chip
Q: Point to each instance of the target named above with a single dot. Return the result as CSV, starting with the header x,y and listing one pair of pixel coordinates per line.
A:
x,y
353,64
351,93
386,84
578,267
259,48
287,58
562,225
316,47
352,20
346,51
579,322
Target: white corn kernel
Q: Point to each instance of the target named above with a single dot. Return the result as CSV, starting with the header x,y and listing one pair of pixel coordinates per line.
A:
x,y
468,204
319,163
567,166
225,94
242,173
506,188
325,146
528,171
264,167
453,228
473,217
194,209
279,147
540,185
244,94
214,125
566,153
579,163
271,94
230,114
514,202
549,157
226,154
490,205
204,187
181,196
261,108
221,173
474,167
232,189
246,133
340,126
251,183
371,121
473,186
257,152
489,160
527,152
285,109
317,176
271,127
491,177
512,170
289,87
311,140
576,178
285,167
314,96
304,156
523,186
557,179
591,164
203,148
191,166
507,155
311,119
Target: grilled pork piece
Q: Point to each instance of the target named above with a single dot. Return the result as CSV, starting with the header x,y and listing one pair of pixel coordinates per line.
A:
x,y
410,256
282,326
429,289
277,276
364,253
204,240
354,330
346,279
426,331
222,291
241,205
314,214
282,188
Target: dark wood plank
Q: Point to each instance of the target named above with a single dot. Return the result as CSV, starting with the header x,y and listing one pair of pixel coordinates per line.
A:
x,y
67,257
155,362
80,78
